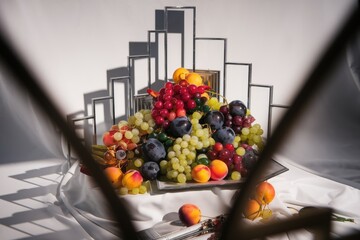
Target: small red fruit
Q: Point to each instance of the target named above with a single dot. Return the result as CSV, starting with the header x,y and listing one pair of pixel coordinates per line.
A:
x,y
171,116
192,89
179,104
180,112
169,85
168,105
183,83
177,88
229,147
159,120
164,113
108,138
185,97
218,146
158,104
191,104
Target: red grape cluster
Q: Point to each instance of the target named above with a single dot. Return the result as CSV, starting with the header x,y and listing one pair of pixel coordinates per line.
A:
x,y
225,152
234,161
177,100
236,119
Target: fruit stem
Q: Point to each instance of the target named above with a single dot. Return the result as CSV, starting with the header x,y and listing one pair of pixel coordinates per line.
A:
x,y
218,94
341,219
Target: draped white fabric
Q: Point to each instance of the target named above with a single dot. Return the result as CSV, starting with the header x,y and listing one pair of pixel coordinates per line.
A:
x,y
295,188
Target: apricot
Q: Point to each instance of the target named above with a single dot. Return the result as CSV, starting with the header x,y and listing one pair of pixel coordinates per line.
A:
x,y
114,174
132,179
218,169
264,193
201,173
252,209
189,214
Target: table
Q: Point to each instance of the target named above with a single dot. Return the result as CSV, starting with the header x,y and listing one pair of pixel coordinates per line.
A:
x,y
32,207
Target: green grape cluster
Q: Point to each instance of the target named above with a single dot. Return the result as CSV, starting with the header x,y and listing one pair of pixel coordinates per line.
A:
x,y
140,190
214,103
200,135
252,135
142,121
180,156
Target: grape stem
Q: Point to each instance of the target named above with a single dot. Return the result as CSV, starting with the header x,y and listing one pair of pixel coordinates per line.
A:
x,y
334,216
217,94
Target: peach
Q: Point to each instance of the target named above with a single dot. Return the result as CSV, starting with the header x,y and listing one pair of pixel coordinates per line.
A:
x,y
201,173
252,209
108,138
132,179
189,214
114,174
219,170
264,193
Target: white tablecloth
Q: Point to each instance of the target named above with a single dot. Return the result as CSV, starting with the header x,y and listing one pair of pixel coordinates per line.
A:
x,y
294,189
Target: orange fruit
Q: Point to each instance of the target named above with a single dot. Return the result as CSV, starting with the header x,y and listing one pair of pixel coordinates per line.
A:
x,y
114,174
180,74
252,209
189,214
264,193
194,78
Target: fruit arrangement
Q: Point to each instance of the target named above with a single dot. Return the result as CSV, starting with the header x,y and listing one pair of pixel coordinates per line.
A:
x,y
187,136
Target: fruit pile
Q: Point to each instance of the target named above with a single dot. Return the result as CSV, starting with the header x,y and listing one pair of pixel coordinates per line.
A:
x,y
187,136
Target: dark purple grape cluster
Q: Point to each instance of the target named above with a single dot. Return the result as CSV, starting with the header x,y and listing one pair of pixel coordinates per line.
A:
x,y
235,116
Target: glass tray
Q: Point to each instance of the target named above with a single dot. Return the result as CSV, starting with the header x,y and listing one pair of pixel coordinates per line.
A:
x,y
273,170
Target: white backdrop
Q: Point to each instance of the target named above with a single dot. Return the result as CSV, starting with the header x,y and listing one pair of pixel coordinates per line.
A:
x,y
71,44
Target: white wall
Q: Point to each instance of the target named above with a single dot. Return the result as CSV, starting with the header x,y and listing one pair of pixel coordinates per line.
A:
x,y
71,44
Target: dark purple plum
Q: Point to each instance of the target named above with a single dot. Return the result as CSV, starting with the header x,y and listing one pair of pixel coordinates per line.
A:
x,y
153,150
150,170
237,108
214,119
249,160
224,135
179,127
